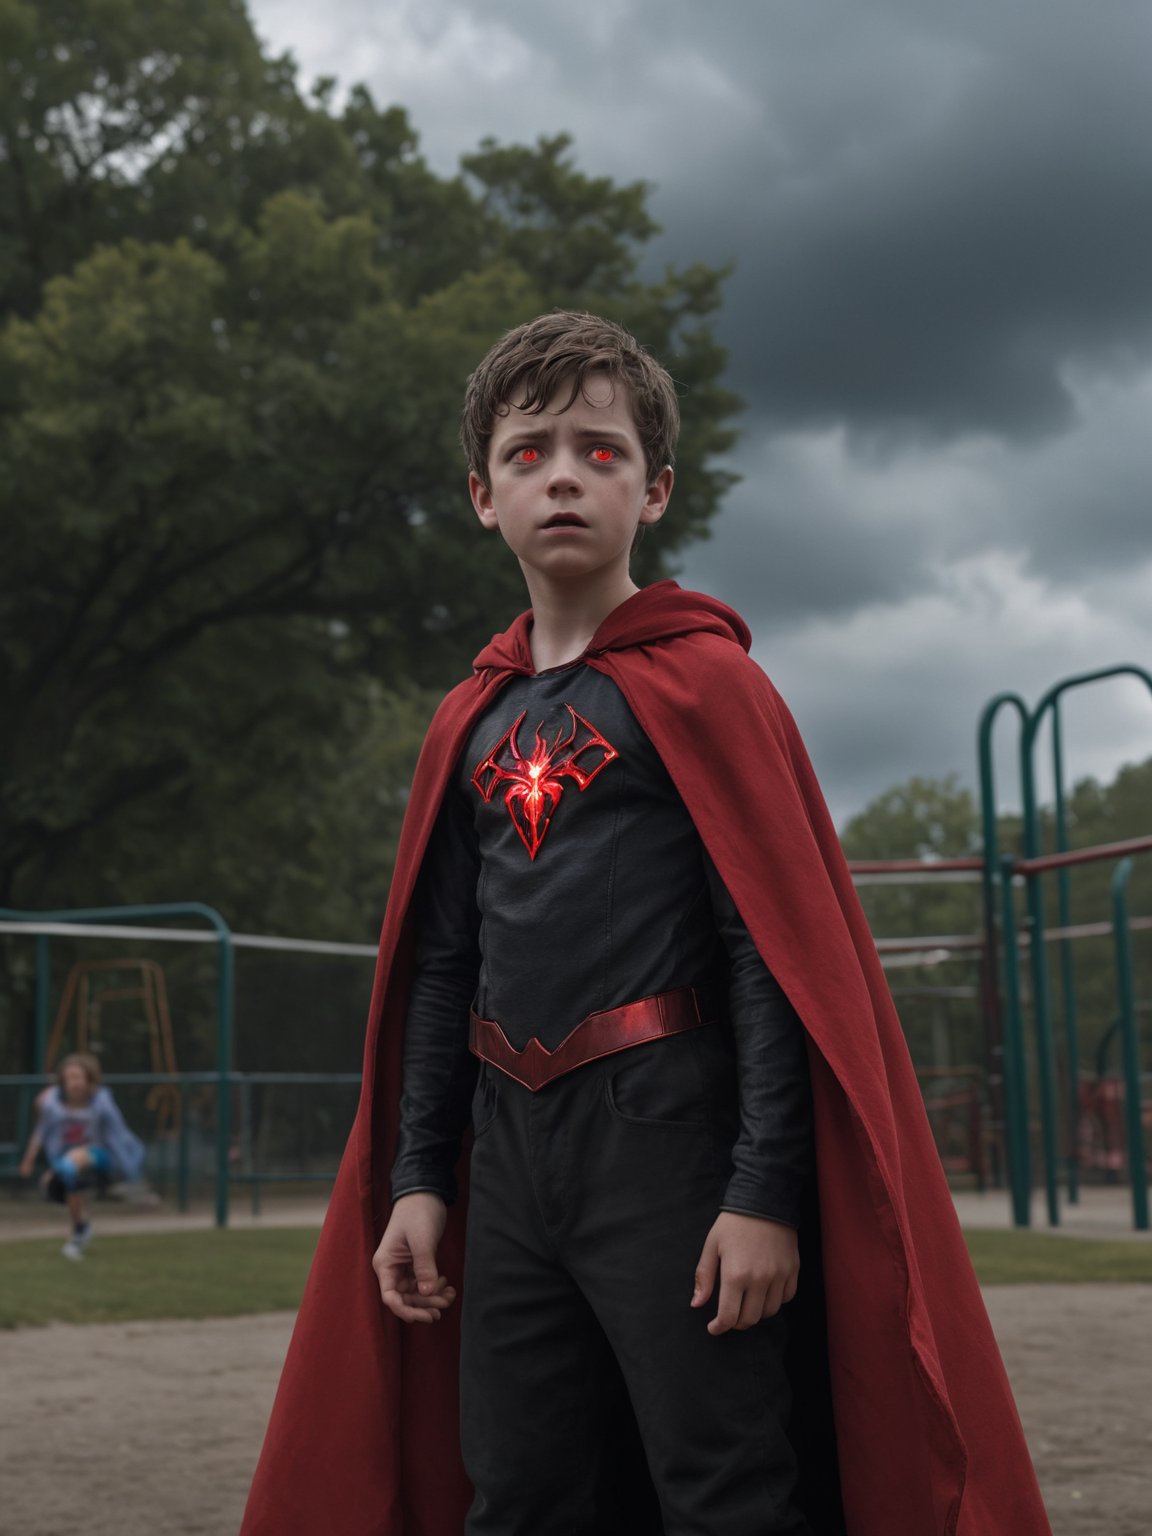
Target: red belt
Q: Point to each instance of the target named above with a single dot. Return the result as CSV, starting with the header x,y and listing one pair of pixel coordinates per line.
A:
x,y
600,1034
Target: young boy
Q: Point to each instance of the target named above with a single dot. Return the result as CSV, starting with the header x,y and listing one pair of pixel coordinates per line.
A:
x,y
622,941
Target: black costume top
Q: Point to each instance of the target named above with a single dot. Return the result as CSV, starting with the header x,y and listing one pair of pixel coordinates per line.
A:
x,y
565,877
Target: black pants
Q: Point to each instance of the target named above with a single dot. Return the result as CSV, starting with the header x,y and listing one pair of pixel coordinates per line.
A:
x,y
590,1202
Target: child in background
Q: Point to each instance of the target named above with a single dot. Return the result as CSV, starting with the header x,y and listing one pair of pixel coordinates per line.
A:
x,y
87,1144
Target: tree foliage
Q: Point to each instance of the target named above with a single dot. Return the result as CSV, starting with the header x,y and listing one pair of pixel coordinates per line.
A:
x,y
238,558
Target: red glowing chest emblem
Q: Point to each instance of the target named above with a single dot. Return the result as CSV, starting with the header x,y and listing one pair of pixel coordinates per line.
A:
x,y
536,783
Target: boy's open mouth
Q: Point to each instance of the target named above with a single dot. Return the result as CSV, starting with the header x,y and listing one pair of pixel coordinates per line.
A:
x,y
565,520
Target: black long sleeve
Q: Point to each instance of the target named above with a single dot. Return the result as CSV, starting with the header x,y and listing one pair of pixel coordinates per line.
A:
x,y
439,1070
773,1155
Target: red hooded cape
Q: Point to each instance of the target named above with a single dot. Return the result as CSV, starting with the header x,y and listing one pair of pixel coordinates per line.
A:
x,y
362,1439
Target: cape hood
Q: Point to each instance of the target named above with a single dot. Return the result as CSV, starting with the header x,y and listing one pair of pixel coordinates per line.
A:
x,y
663,611
362,1438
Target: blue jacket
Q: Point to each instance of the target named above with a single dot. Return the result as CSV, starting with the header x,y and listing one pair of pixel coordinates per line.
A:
x,y
108,1130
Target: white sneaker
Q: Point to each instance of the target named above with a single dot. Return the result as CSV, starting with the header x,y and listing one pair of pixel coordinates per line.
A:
x,y
76,1244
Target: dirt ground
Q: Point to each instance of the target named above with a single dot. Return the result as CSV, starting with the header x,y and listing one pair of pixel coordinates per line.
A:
x,y
152,1429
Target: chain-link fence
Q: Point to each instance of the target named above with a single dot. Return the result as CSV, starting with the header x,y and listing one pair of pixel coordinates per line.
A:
x,y
235,1057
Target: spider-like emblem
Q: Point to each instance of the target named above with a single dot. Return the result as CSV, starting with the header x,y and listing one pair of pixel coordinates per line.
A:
x,y
535,783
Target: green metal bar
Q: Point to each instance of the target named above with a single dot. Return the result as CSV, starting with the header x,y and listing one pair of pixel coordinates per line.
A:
x,y
40,1014
1081,678
1067,970
1004,1103
253,1177
225,992
1130,1036
43,1000
161,1168
23,1119
182,1195
1038,955
1015,1069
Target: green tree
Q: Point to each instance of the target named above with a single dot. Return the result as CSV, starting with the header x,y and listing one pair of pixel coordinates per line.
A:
x,y
925,819
239,560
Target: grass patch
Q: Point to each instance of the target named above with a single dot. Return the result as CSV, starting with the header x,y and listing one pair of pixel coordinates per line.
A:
x,y
228,1274
169,1275
1035,1258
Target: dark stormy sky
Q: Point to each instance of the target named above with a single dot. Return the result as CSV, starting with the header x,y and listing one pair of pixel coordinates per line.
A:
x,y
940,317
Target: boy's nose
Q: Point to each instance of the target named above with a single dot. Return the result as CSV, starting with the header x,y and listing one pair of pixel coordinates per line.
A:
x,y
565,476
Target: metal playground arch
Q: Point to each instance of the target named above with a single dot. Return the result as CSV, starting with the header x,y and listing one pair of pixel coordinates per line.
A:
x,y
1004,1018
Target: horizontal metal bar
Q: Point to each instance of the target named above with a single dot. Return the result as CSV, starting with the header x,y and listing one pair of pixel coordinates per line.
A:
x,y
78,929
949,877
111,931
930,941
281,1178
1094,930
304,946
922,957
1098,854
927,867
189,1079
967,994
294,1077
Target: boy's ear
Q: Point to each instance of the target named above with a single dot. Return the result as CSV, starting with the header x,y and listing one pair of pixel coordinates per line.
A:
x,y
656,496
481,495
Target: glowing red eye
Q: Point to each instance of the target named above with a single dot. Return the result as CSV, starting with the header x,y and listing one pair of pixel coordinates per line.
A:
x,y
603,455
528,455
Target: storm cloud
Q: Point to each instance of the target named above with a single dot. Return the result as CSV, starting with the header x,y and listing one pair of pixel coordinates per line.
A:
x,y
939,314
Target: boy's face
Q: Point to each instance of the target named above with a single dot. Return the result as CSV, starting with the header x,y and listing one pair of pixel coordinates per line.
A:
x,y
568,488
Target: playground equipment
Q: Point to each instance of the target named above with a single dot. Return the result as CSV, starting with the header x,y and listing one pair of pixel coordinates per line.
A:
x,y
113,922
1004,1015
91,986
232,1158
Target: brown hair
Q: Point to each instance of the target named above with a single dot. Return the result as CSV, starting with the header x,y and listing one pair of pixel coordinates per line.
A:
x,y
81,1059
527,365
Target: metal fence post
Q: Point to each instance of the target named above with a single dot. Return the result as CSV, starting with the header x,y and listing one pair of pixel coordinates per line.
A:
x,y
182,1199
224,1074
1130,1038
1000,1069
1015,1062
1038,954
1067,971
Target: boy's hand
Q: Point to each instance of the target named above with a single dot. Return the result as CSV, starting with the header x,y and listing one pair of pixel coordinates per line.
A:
x,y
405,1261
27,1164
759,1265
